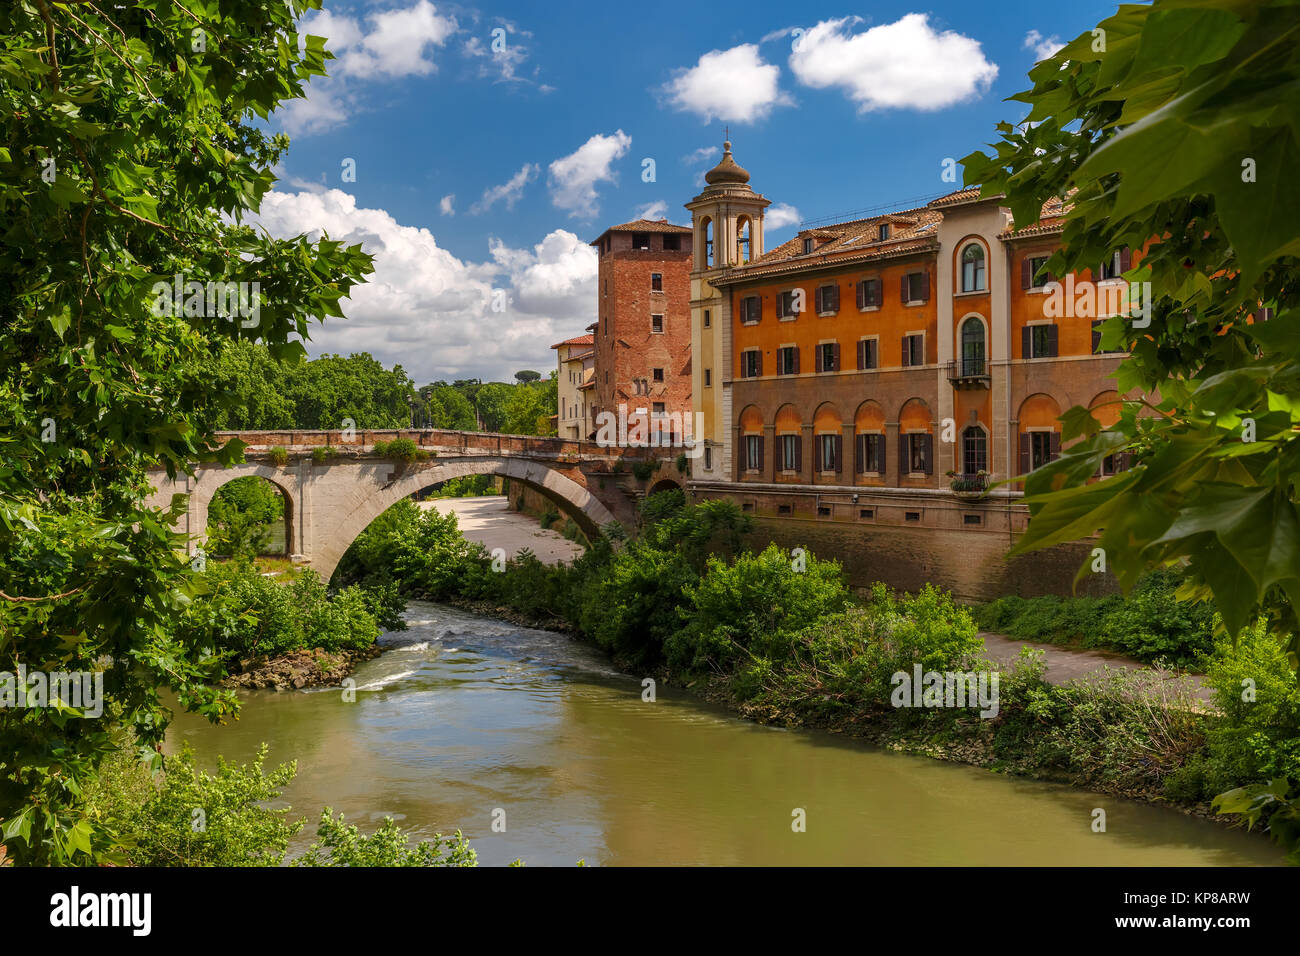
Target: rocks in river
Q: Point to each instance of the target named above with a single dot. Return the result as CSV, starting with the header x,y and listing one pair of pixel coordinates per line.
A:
x,y
299,669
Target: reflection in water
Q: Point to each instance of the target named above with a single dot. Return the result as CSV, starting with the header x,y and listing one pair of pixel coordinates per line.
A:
x,y
466,715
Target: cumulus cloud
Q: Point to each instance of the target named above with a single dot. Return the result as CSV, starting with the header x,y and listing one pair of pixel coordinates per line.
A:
x,y
703,154
431,311
573,178
324,108
733,84
652,210
447,204
1042,46
779,216
905,64
508,192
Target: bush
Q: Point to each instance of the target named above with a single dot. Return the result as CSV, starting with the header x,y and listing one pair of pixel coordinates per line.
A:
x,y
404,450
241,515
322,454
279,456
1258,737
644,470
549,517
754,607
421,550
338,844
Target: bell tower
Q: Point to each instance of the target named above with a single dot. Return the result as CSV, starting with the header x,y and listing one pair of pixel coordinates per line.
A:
x,y
727,221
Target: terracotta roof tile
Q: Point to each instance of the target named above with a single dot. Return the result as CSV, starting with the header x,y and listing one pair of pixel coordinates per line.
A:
x,y
576,340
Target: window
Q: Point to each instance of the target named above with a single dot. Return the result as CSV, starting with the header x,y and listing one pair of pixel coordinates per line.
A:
x,y
871,454
883,232
972,268
1033,272
708,318
911,516
828,357
917,458
747,506
708,458
1043,447
1039,341
706,229
823,511
867,513
751,364
657,375
974,451
972,519
787,360
827,299
656,323
807,246
753,452
708,377
744,239
868,353
787,303
914,349
657,408
784,509
672,242
641,241
787,446
869,294
972,347
1118,263
751,309
828,452
656,282
916,287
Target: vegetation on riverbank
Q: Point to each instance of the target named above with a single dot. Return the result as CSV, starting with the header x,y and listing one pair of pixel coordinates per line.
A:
x,y
1149,624
777,636
189,817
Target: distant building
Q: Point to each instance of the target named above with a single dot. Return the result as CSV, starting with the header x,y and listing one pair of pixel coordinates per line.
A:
x,y
576,360
642,336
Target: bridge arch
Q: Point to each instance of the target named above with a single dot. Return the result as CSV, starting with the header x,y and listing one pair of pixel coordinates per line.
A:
x,y
336,533
210,480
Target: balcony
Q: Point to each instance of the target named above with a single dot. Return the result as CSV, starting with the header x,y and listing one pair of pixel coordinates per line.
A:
x,y
968,373
970,486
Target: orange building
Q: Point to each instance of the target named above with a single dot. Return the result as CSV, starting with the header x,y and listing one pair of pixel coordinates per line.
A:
x,y
884,371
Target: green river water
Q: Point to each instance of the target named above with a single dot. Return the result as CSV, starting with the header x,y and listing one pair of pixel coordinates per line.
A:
x,y
466,716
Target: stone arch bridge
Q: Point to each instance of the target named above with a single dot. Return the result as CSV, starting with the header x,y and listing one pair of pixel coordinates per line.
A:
x,y
333,488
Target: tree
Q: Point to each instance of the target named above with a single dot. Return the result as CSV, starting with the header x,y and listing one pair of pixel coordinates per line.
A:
x,y
524,376
1174,128
132,147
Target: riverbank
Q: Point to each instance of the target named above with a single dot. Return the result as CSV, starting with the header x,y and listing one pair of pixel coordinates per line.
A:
x,y
297,670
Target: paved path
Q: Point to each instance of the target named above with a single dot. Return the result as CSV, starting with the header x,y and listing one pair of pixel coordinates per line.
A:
x,y
1065,664
488,521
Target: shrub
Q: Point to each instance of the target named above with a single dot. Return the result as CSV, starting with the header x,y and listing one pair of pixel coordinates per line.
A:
x,y
549,517
322,454
338,844
241,515
644,470
279,456
683,463
421,550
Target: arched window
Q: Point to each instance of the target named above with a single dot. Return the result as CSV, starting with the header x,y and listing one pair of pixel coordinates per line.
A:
x,y
972,268
972,347
974,451
743,239
706,229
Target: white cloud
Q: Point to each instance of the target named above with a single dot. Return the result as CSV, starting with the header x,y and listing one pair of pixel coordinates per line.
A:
x,y
1042,46
652,210
447,204
573,178
733,84
323,109
429,310
501,57
509,191
895,65
700,155
779,216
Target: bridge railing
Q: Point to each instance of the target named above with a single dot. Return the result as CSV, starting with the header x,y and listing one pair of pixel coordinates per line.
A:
x,y
489,443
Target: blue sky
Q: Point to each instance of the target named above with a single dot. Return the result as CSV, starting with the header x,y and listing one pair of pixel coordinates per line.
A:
x,y
492,143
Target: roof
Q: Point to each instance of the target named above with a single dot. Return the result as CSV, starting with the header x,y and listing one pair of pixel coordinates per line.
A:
x,y
576,340
911,230
957,197
1051,219
644,225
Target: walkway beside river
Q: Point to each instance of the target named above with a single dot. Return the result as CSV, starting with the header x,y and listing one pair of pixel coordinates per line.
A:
x,y
488,521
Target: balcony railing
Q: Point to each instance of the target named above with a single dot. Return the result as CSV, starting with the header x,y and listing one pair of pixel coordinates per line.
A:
x,y
970,484
968,373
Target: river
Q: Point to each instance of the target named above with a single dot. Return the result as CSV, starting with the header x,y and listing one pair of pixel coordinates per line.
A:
x,y
468,719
